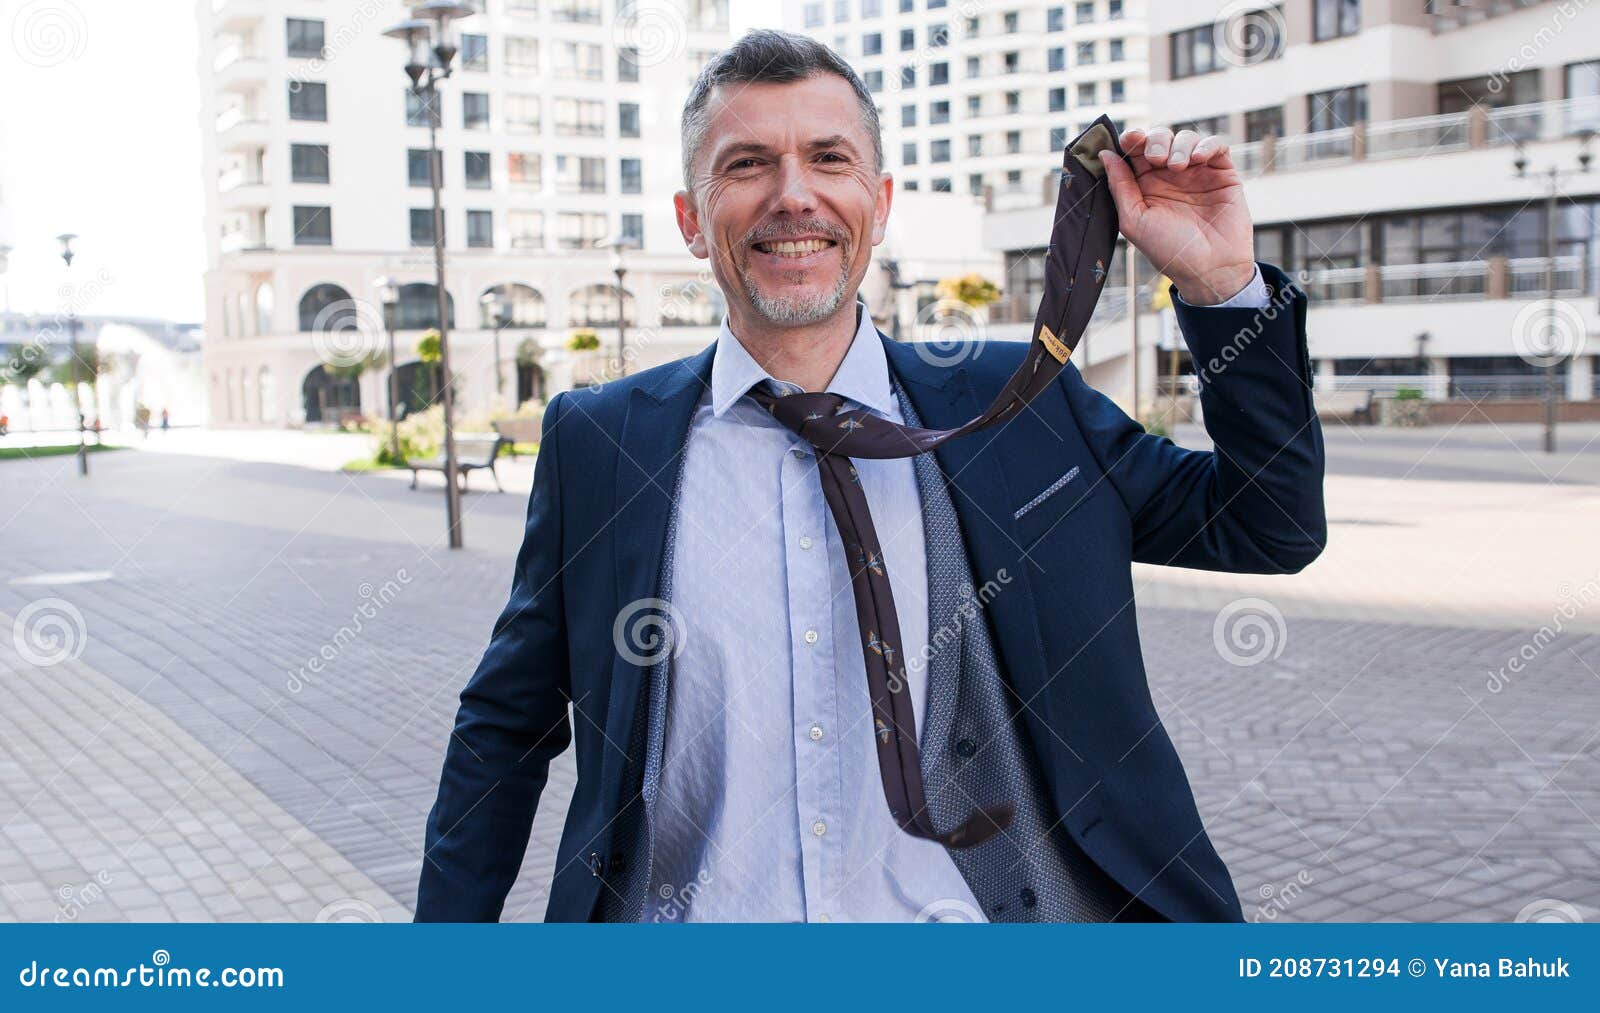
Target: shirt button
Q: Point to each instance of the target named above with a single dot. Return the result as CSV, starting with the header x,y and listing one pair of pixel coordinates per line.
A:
x,y
805,541
811,636
816,733
819,828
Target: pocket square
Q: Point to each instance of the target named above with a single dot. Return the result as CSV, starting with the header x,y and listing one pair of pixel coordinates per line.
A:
x,y
1055,487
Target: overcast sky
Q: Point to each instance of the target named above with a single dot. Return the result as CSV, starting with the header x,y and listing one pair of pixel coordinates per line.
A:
x,y
100,135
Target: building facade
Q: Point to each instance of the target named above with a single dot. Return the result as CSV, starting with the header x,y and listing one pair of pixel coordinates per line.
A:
x,y
558,130
1380,142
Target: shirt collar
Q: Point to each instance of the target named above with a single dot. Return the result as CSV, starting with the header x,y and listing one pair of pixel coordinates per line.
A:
x,y
862,377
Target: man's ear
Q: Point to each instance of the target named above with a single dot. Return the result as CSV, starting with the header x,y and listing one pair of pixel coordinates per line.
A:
x,y
689,223
880,215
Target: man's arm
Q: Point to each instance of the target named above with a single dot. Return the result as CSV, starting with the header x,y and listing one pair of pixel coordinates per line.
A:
x,y
1254,504
511,724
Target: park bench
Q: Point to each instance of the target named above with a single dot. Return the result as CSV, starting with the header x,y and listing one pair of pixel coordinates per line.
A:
x,y
518,430
473,451
1345,404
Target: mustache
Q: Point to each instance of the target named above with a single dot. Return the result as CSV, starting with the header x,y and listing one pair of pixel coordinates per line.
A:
x,y
797,227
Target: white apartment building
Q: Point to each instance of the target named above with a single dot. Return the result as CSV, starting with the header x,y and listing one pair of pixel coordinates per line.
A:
x,y
1379,140
978,97
558,129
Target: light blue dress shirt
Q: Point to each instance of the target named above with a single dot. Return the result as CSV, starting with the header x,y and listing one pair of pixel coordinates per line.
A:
x,y
770,805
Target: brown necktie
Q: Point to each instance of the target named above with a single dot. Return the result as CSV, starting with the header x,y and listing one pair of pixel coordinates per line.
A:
x,y
1081,245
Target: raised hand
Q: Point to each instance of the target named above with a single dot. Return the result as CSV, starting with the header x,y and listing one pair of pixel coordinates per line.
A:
x,y
1182,205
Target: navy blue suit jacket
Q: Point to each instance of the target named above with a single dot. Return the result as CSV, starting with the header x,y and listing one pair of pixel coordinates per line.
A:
x,y
597,522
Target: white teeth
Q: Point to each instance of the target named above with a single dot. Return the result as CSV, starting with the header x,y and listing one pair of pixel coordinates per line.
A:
x,y
795,249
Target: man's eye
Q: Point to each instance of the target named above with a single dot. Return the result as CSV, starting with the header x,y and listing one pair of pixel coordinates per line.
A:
x,y
743,163
831,156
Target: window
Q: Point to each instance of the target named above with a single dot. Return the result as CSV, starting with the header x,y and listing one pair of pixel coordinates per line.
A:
x,y
1329,110
1197,51
580,174
908,153
939,112
304,36
480,229
911,185
974,66
1009,20
1259,123
938,36
523,169
873,79
1583,81
1203,126
1119,90
627,64
934,5
907,6
938,151
1055,59
313,226
632,228
908,39
1494,91
1055,19
872,44
522,113
974,105
1085,53
308,100
582,12
975,184
841,10
974,145
1115,50
580,117
1083,12
418,110
939,73
908,116
632,173
1193,52
1058,139
627,119
1113,10
813,15
525,230
941,184
308,163
417,167
522,55
1013,102
1013,142
1332,19
1058,99
1014,179
579,230
1087,93
421,226
1013,62
974,27
474,51
477,170
871,8
578,61
474,110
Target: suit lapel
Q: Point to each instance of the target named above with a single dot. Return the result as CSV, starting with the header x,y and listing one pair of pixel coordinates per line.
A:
x,y
945,398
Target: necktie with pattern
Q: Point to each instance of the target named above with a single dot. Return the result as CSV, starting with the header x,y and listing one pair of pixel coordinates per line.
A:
x,y
1081,244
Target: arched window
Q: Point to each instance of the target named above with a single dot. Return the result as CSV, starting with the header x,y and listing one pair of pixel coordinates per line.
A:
x,y
596,306
267,392
326,307
264,308
525,303
692,304
419,307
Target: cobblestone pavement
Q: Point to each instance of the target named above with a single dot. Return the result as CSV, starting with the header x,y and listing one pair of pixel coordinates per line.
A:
x,y
1359,743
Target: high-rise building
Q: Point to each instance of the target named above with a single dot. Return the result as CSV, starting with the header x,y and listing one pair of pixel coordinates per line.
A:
x,y
980,98
558,130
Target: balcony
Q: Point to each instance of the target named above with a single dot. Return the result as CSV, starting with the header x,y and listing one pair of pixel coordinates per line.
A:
x,y
1495,278
1423,135
243,191
237,68
239,128
233,15
243,240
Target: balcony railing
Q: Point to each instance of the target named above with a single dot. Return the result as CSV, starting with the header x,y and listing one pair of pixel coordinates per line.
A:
x,y
1494,278
1476,128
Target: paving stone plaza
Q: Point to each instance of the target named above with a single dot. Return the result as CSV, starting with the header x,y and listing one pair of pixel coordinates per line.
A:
x,y
227,681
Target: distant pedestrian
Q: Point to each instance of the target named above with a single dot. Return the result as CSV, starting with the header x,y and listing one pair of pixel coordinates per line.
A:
x,y
166,420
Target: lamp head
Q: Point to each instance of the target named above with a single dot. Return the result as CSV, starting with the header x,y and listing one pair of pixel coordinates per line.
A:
x,y
65,239
388,291
441,13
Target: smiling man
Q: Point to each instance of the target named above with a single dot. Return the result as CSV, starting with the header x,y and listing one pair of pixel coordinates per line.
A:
x,y
933,708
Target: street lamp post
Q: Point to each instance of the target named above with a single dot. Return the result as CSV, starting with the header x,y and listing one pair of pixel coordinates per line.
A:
x,y
499,311
65,239
389,295
1553,176
618,245
431,48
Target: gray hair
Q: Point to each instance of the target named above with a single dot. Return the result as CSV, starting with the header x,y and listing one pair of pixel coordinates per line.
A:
x,y
765,55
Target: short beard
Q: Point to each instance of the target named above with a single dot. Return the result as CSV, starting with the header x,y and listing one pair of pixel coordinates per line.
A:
x,y
798,310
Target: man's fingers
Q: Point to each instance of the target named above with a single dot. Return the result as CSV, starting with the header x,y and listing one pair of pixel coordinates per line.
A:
x,y
1157,144
1182,147
1125,192
1212,151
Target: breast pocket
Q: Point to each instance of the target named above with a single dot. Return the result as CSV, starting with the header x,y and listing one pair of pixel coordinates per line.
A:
x,y
1049,506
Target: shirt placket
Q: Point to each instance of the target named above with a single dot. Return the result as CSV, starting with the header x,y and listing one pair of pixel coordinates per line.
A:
x,y
818,791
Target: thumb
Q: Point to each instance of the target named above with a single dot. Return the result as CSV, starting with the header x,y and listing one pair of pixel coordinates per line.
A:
x,y
1125,192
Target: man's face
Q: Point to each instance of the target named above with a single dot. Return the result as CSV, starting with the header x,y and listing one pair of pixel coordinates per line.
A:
x,y
787,203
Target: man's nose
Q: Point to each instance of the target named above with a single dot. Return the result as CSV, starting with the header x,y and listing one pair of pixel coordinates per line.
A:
x,y
795,193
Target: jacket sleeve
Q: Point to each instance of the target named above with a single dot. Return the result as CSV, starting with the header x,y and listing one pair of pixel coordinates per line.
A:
x,y
1254,503
511,723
